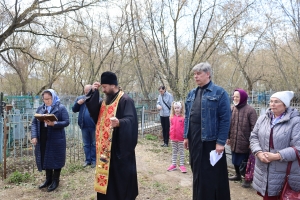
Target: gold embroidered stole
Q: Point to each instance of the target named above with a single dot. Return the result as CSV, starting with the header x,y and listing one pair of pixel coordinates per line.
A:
x,y
104,135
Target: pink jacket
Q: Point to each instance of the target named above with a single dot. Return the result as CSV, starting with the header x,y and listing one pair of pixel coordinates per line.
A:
x,y
176,128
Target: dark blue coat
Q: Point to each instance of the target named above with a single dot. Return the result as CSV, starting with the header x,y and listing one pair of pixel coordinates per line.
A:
x,y
55,154
84,119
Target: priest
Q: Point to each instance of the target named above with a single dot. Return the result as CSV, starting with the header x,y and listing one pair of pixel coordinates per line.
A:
x,y
116,137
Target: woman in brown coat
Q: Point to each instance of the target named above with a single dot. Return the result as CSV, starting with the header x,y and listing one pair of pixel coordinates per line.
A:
x,y
243,119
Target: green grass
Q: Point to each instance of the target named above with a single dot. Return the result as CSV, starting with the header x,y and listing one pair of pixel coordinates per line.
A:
x,y
72,168
154,150
66,195
151,137
18,177
160,187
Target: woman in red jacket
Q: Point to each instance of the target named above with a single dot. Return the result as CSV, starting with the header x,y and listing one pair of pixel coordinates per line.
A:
x,y
176,135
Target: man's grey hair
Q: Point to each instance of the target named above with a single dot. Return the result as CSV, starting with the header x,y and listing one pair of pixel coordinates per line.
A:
x,y
88,86
205,67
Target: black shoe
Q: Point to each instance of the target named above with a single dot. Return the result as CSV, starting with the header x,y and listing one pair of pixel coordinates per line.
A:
x,y
235,178
246,184
164,145
45,184
53,185
86,164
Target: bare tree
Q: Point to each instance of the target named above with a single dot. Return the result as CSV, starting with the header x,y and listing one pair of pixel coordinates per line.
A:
x,y
242,43
204,30
19,20
139,50
21,63
32,19
286,49
58,61
92,47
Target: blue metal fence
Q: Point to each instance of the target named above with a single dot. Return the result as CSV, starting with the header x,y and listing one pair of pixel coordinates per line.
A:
x,y
19,154
17,151
1,138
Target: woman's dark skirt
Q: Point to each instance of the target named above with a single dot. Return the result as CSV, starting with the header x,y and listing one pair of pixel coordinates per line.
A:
x,y
238,158
43,141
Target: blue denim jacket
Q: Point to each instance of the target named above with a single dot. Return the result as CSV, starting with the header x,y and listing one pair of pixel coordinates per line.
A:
x,y
216,113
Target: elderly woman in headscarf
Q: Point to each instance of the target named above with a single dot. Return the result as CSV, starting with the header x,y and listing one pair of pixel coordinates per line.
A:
x,y
49,139
271,141
242,122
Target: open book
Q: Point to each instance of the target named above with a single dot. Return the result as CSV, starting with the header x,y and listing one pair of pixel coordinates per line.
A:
x,y
42,117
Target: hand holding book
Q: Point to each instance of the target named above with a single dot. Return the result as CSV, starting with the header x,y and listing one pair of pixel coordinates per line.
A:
x,y
43,117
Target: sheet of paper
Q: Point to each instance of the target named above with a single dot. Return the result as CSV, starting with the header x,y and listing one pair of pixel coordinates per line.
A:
x,y
214,157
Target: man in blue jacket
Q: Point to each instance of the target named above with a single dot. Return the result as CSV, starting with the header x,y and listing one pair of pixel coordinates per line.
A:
x,y
206,127
87,127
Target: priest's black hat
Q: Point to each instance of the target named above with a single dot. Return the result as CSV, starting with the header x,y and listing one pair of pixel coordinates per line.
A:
x,y
109,78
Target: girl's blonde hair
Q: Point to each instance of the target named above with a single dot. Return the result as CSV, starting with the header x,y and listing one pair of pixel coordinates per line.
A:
x,y
176,103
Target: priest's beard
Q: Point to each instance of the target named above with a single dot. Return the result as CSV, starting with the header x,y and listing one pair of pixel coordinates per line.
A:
x,y
109,97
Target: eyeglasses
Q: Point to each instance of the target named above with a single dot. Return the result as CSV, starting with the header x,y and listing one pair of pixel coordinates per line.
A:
x,y
275,102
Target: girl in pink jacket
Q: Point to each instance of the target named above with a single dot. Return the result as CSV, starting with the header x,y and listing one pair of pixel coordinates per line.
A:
x,y
176,135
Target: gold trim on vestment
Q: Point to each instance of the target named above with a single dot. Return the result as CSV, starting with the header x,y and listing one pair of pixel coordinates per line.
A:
x,y
104,134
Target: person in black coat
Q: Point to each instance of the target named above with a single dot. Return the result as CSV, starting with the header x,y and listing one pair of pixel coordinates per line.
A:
x,y
207,122
49,139
116,138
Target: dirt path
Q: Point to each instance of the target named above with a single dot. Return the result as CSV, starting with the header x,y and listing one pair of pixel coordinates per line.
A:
x,y
155,183
152,162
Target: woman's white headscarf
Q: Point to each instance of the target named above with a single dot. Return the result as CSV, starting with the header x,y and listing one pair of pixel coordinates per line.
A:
x,y
55,99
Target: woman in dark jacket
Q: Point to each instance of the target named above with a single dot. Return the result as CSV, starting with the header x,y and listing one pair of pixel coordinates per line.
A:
x,y
49,139
242,122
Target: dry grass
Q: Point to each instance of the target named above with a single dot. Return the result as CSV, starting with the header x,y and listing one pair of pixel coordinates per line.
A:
x,y
155,183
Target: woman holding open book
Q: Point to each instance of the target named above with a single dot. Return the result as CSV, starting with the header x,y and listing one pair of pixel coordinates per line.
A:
x,y
48,137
